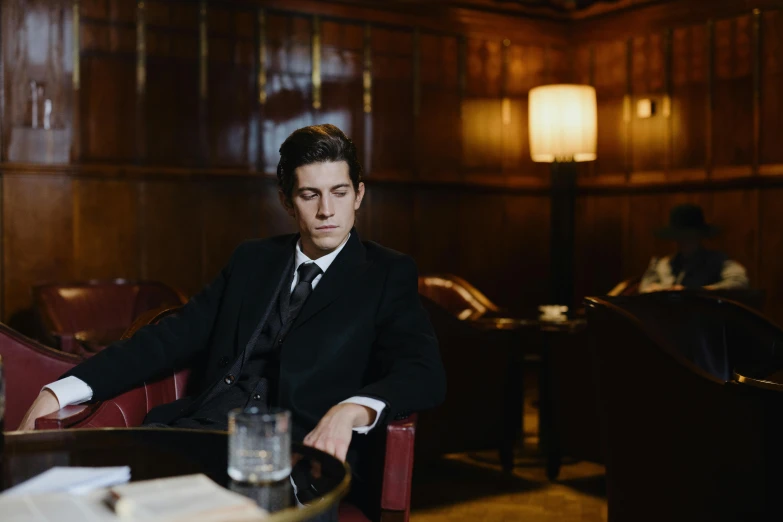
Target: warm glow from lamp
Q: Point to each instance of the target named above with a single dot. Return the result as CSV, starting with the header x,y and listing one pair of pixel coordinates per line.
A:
x,y
562,121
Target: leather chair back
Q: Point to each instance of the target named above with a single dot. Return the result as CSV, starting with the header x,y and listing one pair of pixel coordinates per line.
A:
x,y
68,309
669,415
456,295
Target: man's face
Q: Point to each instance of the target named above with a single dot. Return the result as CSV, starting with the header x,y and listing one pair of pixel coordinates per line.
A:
x,y
324,205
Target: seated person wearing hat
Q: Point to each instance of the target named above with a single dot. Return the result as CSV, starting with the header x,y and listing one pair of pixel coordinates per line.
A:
x,y
692,266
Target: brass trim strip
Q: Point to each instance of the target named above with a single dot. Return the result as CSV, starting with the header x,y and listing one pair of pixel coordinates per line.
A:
x,y
416,72
203,50
756,90
367,72
316,58
628,107
462,72
505,60
262,58
710,93
666,109
76,46
757,383
141,48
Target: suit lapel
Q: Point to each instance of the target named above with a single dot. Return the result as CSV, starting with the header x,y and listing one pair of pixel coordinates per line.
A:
x,y
268,275
345,269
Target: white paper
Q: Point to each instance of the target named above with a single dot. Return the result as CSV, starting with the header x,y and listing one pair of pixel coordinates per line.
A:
x,y
71,480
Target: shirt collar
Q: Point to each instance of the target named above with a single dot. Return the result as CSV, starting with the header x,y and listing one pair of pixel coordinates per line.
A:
x,y
323,262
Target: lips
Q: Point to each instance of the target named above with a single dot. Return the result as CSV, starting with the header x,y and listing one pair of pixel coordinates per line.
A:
x,y
327,227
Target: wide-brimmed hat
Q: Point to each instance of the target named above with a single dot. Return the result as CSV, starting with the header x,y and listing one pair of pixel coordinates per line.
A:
x,y
687,222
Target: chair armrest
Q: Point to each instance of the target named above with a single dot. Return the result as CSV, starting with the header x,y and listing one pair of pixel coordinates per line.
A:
x,y
398,466
65,417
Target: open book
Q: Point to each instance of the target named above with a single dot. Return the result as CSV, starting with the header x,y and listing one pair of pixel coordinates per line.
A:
x,y
191,498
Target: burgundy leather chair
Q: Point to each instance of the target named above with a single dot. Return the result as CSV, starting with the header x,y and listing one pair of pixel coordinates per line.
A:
x,y
130,408
28,367
460,298
84,317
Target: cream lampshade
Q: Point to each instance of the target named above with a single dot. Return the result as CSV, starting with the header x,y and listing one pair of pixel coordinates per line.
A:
x,y
562,120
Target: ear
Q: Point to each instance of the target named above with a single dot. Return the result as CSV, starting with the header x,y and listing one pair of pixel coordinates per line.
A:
x,y
359,196
287,205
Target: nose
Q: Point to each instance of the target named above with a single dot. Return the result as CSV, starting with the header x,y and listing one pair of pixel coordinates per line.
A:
x,y
326,208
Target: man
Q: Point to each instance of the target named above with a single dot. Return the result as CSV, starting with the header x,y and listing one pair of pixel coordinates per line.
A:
x,y
320,323
692,266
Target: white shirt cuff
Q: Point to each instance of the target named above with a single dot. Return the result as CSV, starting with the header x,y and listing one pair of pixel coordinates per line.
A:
x,y
70,390
374,404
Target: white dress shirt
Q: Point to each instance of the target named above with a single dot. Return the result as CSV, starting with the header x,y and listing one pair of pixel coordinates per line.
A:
x,y
73,390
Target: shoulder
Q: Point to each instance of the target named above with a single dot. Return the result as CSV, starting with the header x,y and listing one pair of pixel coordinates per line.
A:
x,y
387,257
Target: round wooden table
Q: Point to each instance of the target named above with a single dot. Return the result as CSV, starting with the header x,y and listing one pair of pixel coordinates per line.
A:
x,y
320,479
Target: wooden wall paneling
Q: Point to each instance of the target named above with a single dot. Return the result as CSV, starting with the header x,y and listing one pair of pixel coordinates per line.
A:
x,y
482,240
732,120
231,215
527,66
583,58
393,103
599,238
289,83
736,212
342,79
170,232
689,92
105,228
37,238
522,245
648,82
274,220
772,88
107,96
231,85
388,216
36,39
610,77
171,97
482,122
770,277
648,212
438,139
436,236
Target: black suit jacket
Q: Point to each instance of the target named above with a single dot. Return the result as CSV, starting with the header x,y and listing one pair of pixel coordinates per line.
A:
x,y
362,331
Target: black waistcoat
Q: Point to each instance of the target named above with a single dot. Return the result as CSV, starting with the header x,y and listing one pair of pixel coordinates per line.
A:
x,y
255,373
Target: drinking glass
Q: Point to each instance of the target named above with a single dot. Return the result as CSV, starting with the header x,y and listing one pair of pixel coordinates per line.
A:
x,y
259,445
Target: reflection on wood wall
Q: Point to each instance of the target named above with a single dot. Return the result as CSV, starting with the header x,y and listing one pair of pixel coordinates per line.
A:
x,y
714,73
166,119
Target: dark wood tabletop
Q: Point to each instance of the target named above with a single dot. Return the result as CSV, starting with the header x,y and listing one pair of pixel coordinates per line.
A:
x,y
320,479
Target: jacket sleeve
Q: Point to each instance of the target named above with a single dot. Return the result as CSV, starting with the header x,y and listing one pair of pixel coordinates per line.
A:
x,y
158,348
406,349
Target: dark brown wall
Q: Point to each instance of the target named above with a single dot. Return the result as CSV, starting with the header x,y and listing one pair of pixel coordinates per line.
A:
x,y
165,133
717,65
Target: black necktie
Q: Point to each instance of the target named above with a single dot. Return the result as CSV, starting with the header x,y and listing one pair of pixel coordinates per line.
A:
x,y
307,273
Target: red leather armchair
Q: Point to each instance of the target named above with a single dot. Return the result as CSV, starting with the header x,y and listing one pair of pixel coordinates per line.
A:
x,y
130,408
84,317
28,366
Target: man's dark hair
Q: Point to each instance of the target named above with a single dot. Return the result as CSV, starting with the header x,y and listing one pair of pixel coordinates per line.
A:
x,y
315,144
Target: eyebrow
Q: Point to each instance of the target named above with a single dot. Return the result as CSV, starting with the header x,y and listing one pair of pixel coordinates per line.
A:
x,y
313,189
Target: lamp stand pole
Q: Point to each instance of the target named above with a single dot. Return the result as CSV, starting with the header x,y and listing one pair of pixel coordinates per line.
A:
x,y
561,248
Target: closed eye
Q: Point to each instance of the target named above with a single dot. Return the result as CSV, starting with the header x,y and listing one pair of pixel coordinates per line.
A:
x,y
308,197
340,194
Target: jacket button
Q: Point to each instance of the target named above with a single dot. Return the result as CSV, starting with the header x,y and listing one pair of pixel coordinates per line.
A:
x,y
223,362
256,396
229,379
280,341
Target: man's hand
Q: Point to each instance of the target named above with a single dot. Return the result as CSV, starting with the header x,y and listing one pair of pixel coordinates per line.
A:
x,y
334,431
44,404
